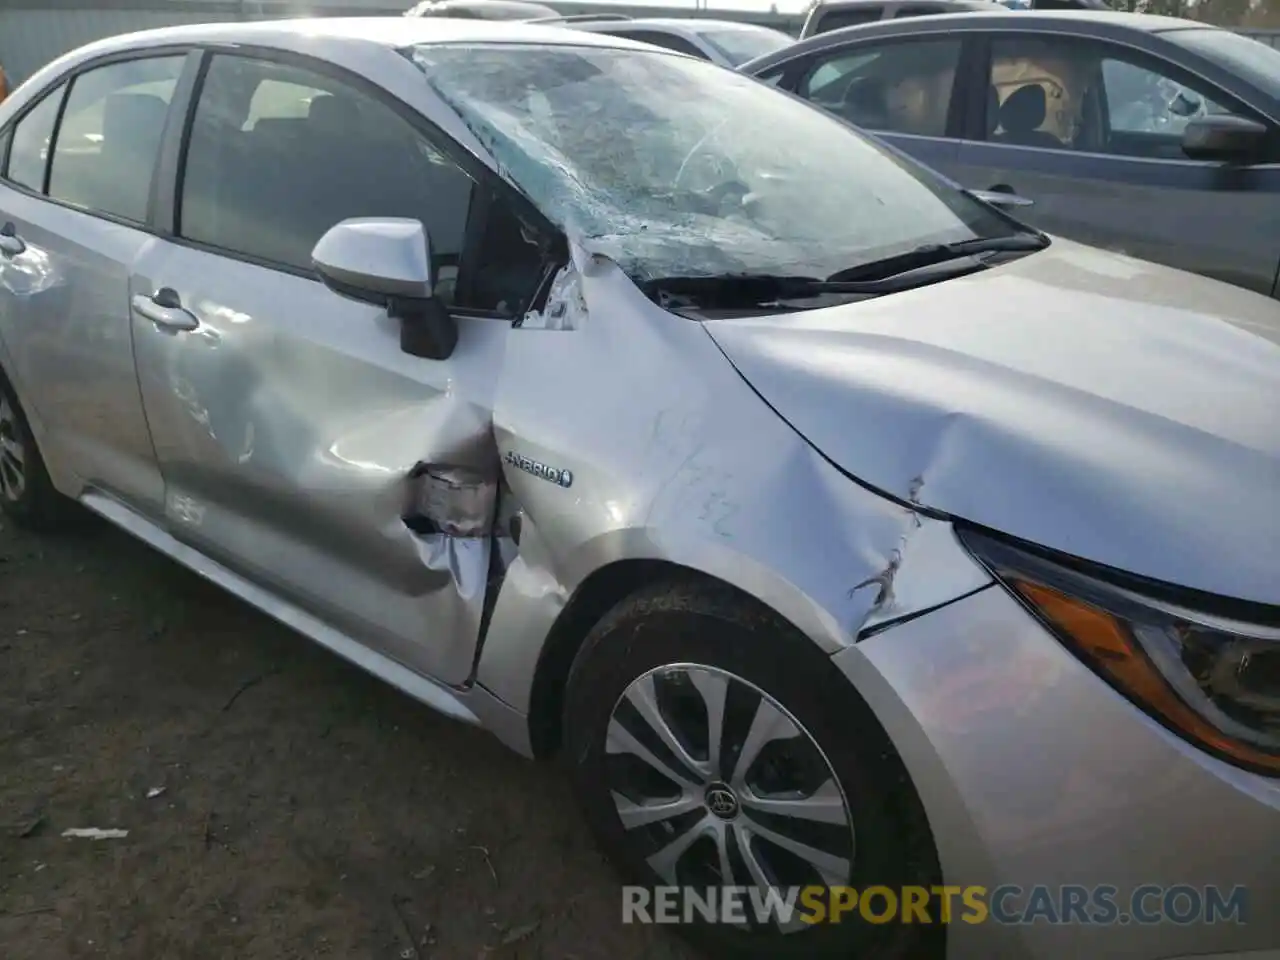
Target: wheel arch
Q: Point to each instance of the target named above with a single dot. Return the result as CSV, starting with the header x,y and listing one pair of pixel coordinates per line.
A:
x,y
600,592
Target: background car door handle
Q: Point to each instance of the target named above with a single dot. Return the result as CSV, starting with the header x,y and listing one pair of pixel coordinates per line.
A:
x,y
10,243
1002,195
164,308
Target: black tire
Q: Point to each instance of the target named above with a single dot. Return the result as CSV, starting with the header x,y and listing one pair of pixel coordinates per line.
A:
x,y
37,505
712,626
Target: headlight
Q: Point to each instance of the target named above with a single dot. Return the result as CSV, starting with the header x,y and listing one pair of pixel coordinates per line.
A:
x,y
1214,680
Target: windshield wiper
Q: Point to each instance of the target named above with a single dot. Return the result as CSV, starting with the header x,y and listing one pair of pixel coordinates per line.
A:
x,y
754,290
934,253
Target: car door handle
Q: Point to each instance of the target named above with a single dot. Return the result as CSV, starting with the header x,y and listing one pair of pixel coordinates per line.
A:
x,y
164,308
1002,195
11,245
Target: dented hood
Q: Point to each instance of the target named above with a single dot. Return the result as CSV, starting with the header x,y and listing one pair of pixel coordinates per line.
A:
x,y
1108,408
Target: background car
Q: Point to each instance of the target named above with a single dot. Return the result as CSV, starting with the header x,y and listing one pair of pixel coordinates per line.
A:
x,y
481,9
828,15
726,42
1147,135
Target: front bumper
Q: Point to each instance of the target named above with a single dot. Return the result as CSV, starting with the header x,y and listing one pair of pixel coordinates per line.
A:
x,y
1034,773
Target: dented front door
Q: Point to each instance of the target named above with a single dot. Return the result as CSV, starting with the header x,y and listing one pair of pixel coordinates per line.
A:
x,y
297,441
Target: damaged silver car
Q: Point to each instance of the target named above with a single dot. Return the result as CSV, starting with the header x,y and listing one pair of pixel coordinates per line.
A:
x,y
838,530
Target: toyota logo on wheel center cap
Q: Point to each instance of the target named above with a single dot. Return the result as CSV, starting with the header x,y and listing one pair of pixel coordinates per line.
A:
x,y
721,801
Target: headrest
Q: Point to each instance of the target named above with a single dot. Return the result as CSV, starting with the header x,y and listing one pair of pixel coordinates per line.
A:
x,y
333,114
1024,110
136,118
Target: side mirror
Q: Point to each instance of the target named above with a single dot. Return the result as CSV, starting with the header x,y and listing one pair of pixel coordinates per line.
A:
x,y
387,261
1225,138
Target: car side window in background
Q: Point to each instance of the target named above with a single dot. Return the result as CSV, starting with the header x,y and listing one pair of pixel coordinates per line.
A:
x,y
839,19
1069,94
1142,100
1036,92
109,137
279,154
668,41
900,86
917,10
29,151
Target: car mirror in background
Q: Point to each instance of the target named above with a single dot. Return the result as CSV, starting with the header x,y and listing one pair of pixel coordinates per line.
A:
x,y
1224,138
387,261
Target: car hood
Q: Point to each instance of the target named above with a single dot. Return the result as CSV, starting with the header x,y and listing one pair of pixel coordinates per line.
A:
x,y
1105,407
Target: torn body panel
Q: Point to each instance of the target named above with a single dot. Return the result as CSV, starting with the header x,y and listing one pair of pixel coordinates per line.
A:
x,y
674,458
300,446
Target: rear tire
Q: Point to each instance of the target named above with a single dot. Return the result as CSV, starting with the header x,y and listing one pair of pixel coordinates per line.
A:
x,y
687,654
27,495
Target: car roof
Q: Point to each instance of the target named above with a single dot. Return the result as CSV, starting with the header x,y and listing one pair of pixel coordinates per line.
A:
x,y
668,23
391,32
1098,23
999,14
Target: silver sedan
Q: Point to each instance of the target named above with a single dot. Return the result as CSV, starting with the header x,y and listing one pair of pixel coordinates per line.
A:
x,y
839,531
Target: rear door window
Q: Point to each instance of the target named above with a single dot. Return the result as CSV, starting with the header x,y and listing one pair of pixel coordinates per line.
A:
x,y
898,86
839,19
109,136
668,41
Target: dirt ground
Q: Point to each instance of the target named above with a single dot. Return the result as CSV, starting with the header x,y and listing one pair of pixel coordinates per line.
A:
x,y
304,809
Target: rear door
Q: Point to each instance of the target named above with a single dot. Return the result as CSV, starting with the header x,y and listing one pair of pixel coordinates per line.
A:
x,y
296,438
1091,133
76,196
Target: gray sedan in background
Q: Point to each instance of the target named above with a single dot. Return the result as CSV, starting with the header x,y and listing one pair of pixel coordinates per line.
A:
x,y
1146,135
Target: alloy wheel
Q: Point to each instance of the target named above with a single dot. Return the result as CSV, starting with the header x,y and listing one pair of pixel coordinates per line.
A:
x,y
13,453
718,784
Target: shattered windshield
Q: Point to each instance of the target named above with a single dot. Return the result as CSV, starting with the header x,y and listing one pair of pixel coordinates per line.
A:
x,y
676,167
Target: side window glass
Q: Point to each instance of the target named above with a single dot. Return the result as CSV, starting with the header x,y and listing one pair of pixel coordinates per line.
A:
x,y
1042,93
29,151
898,87
916,11
839,19
1143,101
279,154
109,137
1077,95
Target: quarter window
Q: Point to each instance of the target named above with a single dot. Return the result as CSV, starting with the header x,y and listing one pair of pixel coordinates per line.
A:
x,y
278,154
29,149
898,87
109,137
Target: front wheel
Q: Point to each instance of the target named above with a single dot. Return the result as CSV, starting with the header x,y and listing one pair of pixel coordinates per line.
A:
x,y
713,749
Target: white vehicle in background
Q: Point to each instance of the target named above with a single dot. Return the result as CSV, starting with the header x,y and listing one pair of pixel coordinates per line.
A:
x,y
728,43
481,9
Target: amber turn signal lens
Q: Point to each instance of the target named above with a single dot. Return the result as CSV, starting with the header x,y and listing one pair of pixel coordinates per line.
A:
x,y
1107,645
